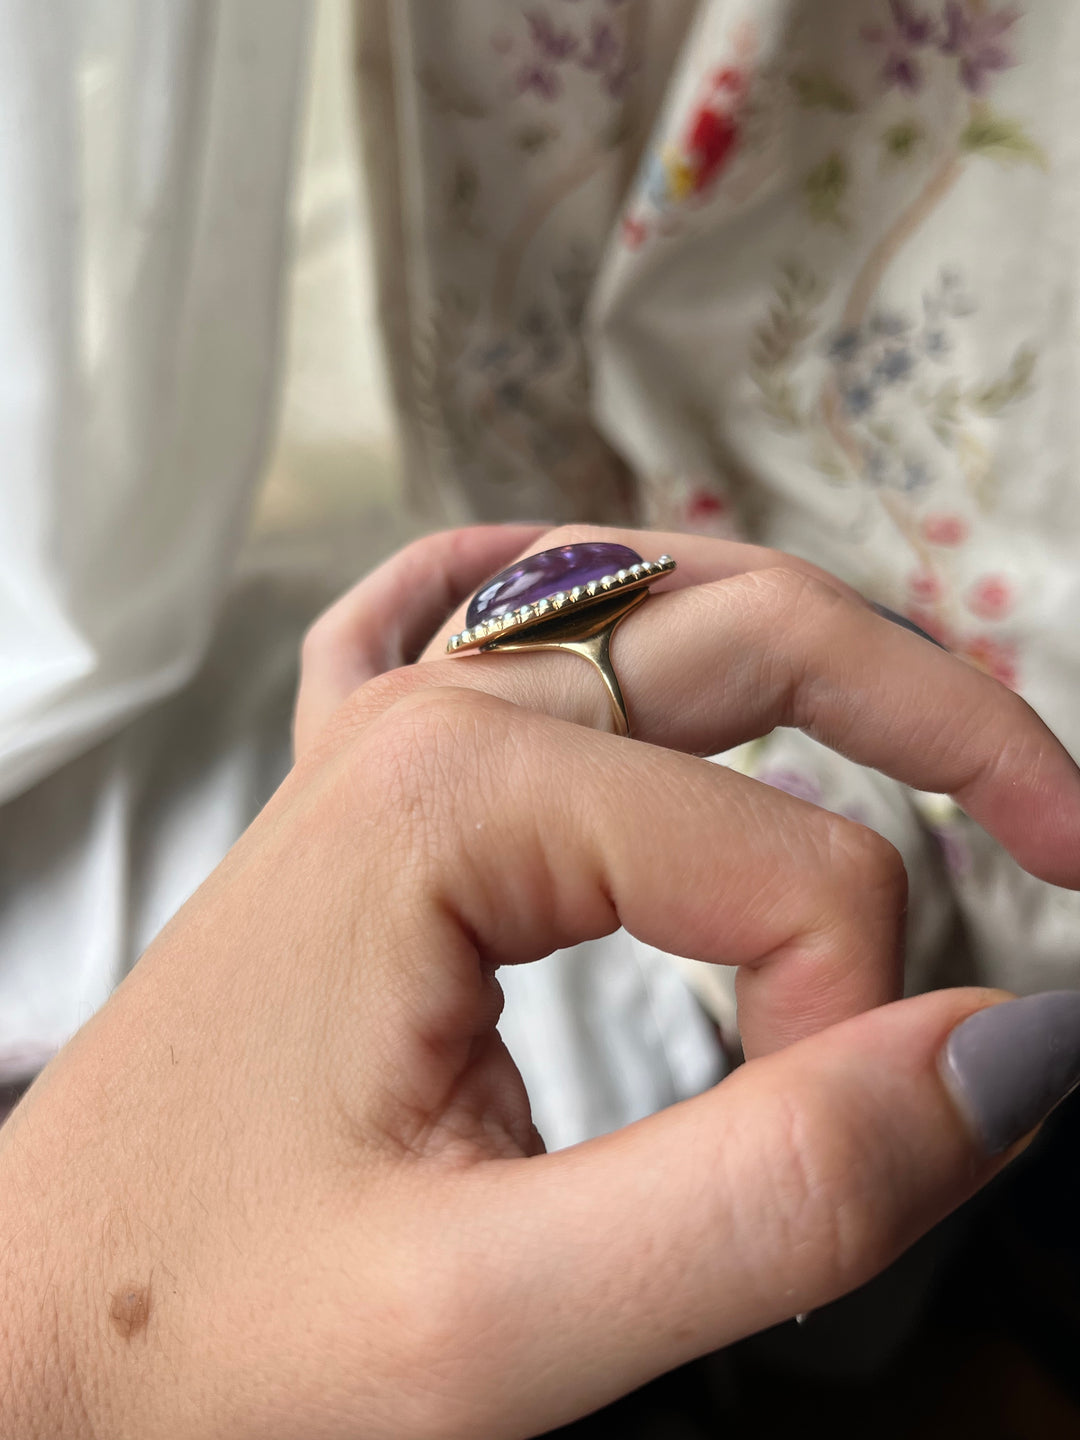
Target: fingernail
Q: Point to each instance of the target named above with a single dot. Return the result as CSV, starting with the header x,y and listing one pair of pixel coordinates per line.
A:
x,y
902,620
1009,1065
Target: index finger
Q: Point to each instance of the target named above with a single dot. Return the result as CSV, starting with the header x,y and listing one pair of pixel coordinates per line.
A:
x,y
726,655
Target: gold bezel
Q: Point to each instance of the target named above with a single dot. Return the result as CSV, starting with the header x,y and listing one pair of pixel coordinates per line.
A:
x,y
580,597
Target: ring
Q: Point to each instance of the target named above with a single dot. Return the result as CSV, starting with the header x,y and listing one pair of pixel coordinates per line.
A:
x,y
570,599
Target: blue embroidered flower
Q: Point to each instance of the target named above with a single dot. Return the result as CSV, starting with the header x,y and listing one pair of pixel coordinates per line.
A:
x,y
845,346
859,398
894,366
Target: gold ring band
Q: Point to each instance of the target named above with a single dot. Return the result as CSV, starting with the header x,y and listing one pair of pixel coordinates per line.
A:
x,y
581,621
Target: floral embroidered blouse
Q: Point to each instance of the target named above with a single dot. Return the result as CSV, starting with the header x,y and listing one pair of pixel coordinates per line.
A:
x,y
806,274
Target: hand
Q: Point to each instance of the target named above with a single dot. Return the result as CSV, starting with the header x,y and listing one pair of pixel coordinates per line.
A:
x,y
286,1184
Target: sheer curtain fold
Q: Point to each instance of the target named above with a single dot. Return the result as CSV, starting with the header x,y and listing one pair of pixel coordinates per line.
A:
x,y
145,160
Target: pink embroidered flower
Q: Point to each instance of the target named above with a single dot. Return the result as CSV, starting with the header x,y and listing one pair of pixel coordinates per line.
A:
x,y
704,506
731,79
997,657
991,598
975,35
634,233
945,529
908,31
925,586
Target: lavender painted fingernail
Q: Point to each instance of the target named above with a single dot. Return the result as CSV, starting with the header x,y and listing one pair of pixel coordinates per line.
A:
x,y
1009,1065
902,620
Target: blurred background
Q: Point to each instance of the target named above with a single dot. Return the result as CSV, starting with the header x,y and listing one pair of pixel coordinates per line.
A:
x,y
336,470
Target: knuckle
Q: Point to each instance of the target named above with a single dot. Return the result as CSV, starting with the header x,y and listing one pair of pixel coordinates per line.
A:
x,y
793,593
422,740
862,862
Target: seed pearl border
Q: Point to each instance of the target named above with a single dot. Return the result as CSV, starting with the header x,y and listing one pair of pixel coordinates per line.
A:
x,y
562,601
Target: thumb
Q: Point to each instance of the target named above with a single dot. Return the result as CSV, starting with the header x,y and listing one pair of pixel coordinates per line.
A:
x,y
386,620
793,1181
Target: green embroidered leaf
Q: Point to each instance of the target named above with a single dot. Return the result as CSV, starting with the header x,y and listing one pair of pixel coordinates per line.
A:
x,y
534,138
1001,138
789,322
902,140
779,402
1013,385
828,460
448,99
816,90
825,188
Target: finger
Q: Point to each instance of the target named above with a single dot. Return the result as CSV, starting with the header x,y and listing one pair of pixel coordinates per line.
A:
x,y
791,1183
388,618
719,661
564,834
701,559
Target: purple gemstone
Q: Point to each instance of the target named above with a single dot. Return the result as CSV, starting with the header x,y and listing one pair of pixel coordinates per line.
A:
x,y
538,576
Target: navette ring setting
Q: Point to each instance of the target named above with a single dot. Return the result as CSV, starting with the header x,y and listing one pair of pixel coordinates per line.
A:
x,y
570,598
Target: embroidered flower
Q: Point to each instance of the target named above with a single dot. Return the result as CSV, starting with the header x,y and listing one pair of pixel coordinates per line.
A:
x,y
634,232
552,43
944,529
859,398
997,657
975,36
606,57
542,80
924,585
844,346
704,506
991,598
792,782
895,365
603,48
908,31
955,851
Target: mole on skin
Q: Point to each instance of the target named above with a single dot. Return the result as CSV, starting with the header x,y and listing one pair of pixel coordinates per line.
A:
x,y
129,1310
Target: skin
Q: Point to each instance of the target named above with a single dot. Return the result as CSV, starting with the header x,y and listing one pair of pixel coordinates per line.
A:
x,y
286,1182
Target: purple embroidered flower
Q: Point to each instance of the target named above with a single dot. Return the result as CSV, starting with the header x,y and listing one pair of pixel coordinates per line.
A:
x,y
908,30
603,51
552,43
606,57
540,79
976,38
955,851
792,782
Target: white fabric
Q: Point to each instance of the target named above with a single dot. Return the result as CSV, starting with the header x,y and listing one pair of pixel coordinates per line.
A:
x,y
145,155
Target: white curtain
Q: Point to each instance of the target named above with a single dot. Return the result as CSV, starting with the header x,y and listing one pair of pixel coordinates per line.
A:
x,y
146,150
145,157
